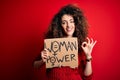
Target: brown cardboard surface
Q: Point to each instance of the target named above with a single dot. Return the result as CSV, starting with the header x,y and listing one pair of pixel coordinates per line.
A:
x,y
62,52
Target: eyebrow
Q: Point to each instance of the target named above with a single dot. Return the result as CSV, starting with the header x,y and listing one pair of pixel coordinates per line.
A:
x,y
69,20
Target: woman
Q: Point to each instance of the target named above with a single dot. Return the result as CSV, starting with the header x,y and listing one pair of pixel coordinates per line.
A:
x,y
70,22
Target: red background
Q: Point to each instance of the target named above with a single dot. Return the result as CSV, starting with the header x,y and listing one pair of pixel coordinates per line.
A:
x,y
22,26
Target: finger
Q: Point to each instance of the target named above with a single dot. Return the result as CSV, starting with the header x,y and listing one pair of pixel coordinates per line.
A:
x,y
44,53
84,44
88,40
44,56
94,43
45,50
44,59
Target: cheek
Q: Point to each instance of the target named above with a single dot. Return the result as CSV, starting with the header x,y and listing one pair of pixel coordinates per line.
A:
x,y
64,27
74,27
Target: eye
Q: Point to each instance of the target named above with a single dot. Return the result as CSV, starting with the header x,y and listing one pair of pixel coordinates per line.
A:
x,y
63,22
71,21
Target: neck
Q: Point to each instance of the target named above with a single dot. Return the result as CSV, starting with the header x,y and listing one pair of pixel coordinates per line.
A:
x,y
68,36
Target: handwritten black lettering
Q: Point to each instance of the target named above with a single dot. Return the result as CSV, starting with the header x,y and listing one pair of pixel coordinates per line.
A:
x,y
73,57
54,46
61,52
57,46
65,58
47,47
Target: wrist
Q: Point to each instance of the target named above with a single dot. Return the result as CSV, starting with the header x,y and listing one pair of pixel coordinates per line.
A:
x,y
88,59
88,56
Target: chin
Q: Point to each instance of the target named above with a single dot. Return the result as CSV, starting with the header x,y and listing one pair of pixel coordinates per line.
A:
x,y
69,34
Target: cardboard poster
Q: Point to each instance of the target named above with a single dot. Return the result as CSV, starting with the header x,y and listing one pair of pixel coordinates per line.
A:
x,y
62,52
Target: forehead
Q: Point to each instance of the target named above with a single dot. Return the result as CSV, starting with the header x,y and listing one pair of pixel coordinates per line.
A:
x,y
67,17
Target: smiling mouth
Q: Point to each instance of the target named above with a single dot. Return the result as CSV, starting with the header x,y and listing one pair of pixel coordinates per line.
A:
x,y
69,30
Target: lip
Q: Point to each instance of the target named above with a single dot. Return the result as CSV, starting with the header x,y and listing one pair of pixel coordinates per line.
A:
x,y
69,30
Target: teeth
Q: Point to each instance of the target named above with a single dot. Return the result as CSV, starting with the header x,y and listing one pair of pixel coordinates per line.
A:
x,y
69,29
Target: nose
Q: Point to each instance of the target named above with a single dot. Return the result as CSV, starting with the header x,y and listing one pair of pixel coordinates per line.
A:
x,y
68,24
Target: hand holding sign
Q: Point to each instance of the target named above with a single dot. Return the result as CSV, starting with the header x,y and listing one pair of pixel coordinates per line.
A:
x,y
44,55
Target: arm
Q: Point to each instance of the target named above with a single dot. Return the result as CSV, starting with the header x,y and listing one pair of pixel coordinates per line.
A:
x,y
41,59
88,68
38,63
87,48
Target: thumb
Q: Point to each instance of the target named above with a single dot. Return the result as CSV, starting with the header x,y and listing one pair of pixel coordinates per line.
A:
x,y
84,44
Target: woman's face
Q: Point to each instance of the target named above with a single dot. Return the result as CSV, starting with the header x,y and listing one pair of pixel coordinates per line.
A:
x,y
68,25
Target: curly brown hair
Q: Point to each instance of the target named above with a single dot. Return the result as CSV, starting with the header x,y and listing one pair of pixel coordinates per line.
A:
x,y
81,27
